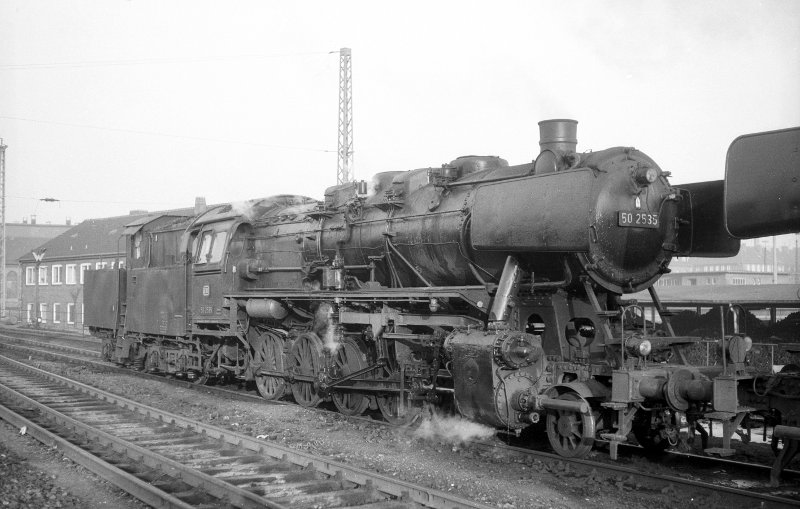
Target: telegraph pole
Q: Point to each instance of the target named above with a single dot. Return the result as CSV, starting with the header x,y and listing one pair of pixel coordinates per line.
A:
x,y
2,228
344,170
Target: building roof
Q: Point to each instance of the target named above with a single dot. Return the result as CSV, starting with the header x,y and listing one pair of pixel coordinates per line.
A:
x,y
90,238
21,238
709,295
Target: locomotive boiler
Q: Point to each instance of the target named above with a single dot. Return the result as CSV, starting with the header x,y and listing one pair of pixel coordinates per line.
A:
x,y
493,289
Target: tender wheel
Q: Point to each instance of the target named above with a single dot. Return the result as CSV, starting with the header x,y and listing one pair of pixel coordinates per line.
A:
x,y
108,349
268,355
305,360
152,362
571,434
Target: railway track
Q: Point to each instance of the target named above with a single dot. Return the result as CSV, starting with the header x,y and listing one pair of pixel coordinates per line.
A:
x,y
88,356
167,460
702,478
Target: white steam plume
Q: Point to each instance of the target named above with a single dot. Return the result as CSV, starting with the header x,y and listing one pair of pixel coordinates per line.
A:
x,y
452,429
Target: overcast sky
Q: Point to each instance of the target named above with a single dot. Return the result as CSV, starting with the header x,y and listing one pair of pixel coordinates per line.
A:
x,y
110,105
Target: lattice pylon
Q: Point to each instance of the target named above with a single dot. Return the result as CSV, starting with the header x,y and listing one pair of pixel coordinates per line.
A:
x,y
3,228
344,170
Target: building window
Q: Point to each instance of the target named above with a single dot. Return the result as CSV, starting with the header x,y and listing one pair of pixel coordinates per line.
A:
x,y
737,281
84,268
29,313
12,283
30,276
121,264
100,265
71,313
56,313
42,275
71,272
56,274
43,313
83,308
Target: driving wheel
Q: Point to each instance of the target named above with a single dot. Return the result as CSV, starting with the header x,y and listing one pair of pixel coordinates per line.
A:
x,y
347,359
305,360
268,355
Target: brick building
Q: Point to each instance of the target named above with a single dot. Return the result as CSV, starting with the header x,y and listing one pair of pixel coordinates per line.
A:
x,y
21,238
52,289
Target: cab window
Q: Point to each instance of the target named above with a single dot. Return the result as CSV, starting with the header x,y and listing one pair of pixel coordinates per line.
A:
x,y
212,246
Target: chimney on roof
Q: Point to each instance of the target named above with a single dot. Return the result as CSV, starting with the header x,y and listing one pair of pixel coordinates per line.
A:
x,y
33,218
25,220
69,221
199,205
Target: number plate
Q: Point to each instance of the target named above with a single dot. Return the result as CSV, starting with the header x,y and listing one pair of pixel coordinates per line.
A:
x,y
638,219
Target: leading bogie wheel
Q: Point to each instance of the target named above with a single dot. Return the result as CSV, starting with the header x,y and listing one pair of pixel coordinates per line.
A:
x,y
389,405
649,436
305,360
571,433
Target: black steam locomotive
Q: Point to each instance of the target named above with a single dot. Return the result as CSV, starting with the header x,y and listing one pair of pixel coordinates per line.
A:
x,y
494,289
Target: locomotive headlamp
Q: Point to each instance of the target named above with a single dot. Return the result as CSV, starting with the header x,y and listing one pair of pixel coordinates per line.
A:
x,y
638,346
644,176
738,346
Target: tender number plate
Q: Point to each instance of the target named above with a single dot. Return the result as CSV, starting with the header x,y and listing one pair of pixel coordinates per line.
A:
x,y
638,219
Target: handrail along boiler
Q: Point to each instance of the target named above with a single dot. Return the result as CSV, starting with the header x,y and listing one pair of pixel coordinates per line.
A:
x,y
494,289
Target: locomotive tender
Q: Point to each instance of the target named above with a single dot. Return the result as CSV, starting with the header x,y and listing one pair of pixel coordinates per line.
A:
x,y
492,288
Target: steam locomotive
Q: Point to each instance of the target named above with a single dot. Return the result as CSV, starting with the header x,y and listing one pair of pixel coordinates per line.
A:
x,y
493,289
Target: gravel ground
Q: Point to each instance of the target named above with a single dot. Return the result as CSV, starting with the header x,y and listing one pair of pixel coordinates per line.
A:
x,y
433,454
34,476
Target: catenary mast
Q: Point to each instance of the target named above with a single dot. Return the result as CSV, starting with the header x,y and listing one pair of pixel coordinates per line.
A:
x,y
344,171
2,228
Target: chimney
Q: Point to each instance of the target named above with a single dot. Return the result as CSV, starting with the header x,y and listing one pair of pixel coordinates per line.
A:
x,y
33,218
69,221
558,134
25,220
199,205
557,143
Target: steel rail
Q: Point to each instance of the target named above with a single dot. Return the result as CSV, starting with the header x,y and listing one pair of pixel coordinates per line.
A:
x,y
107,366
219,489
53,346
662,478
145,492
395,488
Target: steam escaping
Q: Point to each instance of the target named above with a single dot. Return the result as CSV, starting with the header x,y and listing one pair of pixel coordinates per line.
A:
x,y
452,429
325,327
373,187
329,339
245,208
